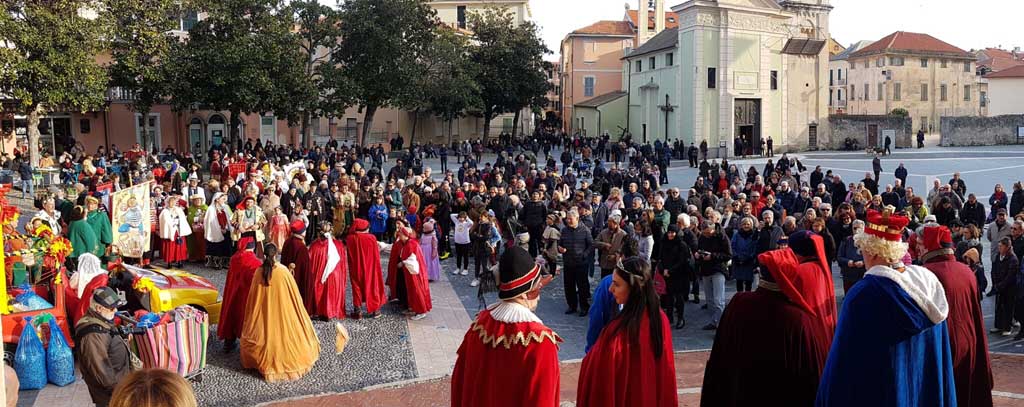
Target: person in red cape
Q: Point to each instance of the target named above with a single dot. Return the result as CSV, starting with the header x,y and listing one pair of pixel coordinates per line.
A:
x,y
632,363
813,279
325,287
972,366
295,256
407,273
508,357
769,339
365,271
241,268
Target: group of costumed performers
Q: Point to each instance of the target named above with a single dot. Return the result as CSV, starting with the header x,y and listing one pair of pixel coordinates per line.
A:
x,y
174,229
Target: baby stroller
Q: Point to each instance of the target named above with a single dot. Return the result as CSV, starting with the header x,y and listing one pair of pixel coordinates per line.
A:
x,y
584,167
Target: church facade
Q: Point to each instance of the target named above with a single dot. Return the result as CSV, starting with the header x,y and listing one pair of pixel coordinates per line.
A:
x,y
734,70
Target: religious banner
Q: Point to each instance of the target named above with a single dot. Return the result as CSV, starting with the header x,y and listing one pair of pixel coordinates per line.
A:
x,y
291,169
236,168
130,208
104,190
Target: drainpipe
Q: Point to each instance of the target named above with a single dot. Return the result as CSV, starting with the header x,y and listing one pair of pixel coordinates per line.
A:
x,y
106,128
598,133
629,90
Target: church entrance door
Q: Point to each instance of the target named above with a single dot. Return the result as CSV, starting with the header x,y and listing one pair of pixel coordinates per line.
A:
x,y
747,122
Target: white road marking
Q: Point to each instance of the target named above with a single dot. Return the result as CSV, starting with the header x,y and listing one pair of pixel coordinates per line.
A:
x,y
1008,395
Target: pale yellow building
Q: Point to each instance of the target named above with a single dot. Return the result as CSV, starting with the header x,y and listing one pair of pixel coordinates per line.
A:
x,y
455,13
917,72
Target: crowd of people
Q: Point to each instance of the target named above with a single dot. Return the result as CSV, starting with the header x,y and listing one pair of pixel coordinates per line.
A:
x,y
306,222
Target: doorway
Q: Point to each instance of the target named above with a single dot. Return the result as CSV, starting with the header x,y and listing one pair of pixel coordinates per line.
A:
x,y
747,122
872,135
216,128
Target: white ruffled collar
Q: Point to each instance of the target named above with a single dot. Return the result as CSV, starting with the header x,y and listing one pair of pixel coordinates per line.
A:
x,y
512,313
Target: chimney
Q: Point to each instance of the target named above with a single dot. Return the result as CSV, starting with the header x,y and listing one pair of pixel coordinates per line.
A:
x,y
641,22
659,16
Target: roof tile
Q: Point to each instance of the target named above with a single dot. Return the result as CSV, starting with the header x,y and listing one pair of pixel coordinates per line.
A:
x,y
1014,72
671,18
607,27
911,42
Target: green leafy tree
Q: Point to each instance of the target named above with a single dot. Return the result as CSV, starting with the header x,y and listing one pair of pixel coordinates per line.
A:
x,y
511,68
448,86
140,48
48,60
899,111
383,41
241,58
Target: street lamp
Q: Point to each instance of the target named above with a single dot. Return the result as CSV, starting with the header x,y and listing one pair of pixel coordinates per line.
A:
x,y
667,108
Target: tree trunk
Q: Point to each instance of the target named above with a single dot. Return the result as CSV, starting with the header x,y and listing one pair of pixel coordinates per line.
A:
x,y
305,129
488,115
371,110
449,131
515,124
145,131
34,115
234,122
415,121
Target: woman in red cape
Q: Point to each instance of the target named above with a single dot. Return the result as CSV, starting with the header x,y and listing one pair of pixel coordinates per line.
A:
x,y
325,290
414,277
241,268
632,362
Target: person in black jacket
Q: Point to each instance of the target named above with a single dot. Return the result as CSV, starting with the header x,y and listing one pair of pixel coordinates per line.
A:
x,y
674,260
1017,199
714,251
534,215
1005,270
973,212
576,246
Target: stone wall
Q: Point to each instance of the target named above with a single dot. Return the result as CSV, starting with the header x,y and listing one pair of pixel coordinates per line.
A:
x,y
980,131
856,127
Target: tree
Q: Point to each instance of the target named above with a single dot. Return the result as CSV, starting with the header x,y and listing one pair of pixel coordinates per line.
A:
x,y
241,58
511,65
448,87
140,48
382,42
47,60
899,111
325,90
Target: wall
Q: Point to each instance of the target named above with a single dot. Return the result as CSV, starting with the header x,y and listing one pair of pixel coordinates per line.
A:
x,y
856,127
980,131
647,93
602,61
1006,96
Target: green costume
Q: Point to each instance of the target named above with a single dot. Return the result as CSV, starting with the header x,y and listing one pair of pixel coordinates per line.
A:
x,y
83,239
101,226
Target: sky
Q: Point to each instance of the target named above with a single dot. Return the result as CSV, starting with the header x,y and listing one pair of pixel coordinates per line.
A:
x,y
965,24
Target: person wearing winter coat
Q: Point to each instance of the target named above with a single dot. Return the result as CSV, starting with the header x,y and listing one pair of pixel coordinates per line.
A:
x,y
851,261
675,264
744,251
378,216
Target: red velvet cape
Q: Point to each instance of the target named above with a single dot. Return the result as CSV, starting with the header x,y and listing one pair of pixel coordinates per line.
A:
x,y
236,293
619,373
503,364
367,277
296,252
768,351
808,285
326,299
972,366
417,287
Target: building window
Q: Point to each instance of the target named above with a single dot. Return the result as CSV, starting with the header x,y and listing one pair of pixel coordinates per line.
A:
x,y
831,77
897,91
189,20
831,94
462,16
853,65
924,62
967,66
775,80
880,62
839,73
943,63
639,66
853,92
588,86
669,59
881,91
712,78
84,126
839,94
924,92
982,96
899,61
866,62
154,130
967,93
650,61
867,92
589,51
942,92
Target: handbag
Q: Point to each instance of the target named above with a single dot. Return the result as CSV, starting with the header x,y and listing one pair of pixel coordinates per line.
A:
x,y
660,286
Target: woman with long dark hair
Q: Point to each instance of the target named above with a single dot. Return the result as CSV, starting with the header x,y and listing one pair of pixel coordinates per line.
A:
x,y
632,362
277,338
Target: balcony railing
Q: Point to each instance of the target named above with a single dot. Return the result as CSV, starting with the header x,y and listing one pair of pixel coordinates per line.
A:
x,y
837,82
840,103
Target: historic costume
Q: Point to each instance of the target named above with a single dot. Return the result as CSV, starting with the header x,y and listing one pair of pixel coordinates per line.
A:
x,y
248,221
972,367
295,256
174,228
365,270
325,292
769,339
216,229
891,347
82,237
508,357
89,276
431,250
196,242
100,223
236,292
278,337
278,230
407,278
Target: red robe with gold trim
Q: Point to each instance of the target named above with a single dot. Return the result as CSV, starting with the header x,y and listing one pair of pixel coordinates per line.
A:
x,y
417,287
507,364
619,373
365,271
326,298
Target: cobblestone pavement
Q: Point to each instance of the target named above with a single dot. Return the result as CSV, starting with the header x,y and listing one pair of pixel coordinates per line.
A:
x,y
1009,387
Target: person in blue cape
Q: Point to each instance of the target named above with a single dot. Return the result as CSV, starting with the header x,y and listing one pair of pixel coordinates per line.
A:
x,y
891,346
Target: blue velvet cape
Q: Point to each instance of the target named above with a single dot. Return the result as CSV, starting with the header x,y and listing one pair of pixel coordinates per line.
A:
x,y
886,352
